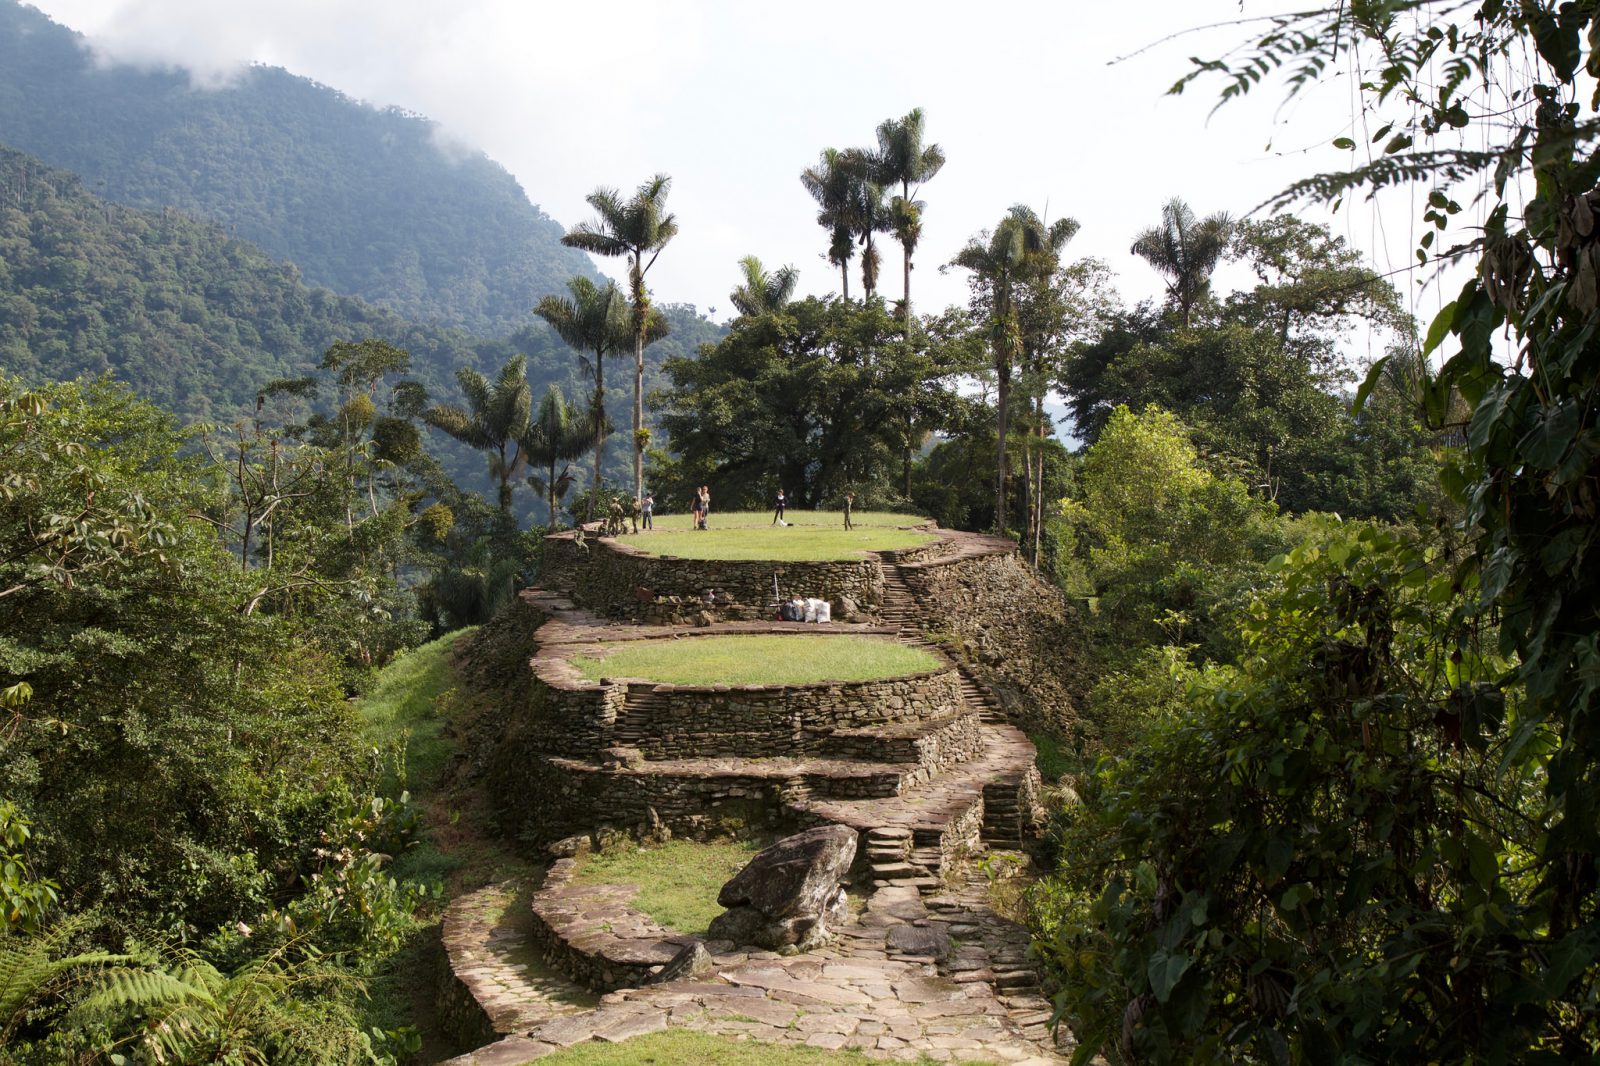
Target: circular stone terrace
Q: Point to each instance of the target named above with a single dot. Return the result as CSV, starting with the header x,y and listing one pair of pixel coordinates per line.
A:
x,y
863,725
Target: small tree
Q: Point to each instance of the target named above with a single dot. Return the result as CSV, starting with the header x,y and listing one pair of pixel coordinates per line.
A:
x,y
494,420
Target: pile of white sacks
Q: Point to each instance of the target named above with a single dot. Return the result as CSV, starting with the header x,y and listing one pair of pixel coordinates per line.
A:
x,y
804,609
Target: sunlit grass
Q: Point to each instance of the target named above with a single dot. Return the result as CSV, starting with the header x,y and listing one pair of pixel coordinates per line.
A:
x,y
678,881
402,705
776,659
810,536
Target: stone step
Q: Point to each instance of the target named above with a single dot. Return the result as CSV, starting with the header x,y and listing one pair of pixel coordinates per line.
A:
x,y
926,885
887,832
897,871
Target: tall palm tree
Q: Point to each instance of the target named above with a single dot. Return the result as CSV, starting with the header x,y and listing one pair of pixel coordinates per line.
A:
x,y
831,184
763,292
494,420
1186,250
1021,248
593,320
633,228
554,436
905,161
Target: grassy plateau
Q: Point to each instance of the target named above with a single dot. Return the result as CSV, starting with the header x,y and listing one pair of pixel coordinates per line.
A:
x,y
678,881
769,659
810,536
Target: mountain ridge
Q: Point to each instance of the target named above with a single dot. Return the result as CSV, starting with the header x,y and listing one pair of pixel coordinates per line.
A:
x,y
363,200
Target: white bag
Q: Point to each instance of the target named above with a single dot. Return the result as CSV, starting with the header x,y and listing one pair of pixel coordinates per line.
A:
x,y
824,611
812,604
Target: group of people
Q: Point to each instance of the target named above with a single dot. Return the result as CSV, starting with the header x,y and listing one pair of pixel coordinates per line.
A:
x,y
642,510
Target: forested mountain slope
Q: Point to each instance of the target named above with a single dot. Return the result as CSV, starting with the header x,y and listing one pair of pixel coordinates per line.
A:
x,y
198,320
362,200
189,316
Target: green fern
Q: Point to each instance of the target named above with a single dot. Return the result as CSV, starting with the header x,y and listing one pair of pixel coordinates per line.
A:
x,y
31,971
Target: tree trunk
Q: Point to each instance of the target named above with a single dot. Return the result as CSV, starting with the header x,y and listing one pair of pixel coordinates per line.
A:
x,y
1038,520
1002,398
905,305
599,414
909,451
638,377
844,272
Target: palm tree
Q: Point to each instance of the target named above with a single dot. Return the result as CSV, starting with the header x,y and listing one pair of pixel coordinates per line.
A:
x,y
905,161
634,229
1020,249
762,292
831,184
494,421
868,213
593,320
1185,250
552,437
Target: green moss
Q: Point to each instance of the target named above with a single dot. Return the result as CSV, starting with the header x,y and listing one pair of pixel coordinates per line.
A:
x,y
810,536
678,881
775,659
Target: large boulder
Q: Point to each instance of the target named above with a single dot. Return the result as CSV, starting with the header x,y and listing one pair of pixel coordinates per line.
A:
x,y
790,894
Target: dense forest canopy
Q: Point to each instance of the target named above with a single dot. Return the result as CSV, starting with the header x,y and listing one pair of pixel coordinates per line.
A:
x,y
364,201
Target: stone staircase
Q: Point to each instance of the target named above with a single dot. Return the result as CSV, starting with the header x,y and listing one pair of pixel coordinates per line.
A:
x,y
898,607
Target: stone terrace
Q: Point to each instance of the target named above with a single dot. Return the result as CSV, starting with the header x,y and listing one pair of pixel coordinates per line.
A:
x,y
928,777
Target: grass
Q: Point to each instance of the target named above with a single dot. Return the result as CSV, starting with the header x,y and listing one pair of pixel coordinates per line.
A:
x,y
776,659
678,1046
401,709
1053,761
810,536
678,881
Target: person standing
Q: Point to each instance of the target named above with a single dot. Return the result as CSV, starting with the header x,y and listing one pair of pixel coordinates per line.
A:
x,y
777,516
648,508
849,498
705,506
696,509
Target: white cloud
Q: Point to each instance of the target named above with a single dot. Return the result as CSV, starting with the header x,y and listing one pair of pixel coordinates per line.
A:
x,y
733,99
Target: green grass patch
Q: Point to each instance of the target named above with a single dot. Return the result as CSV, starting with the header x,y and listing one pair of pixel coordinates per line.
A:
x,y
810,536
401,709
1052,760
678,881
678,1046
774,659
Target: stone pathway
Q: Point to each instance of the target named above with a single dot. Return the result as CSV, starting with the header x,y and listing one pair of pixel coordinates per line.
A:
x,y
494,982
943,977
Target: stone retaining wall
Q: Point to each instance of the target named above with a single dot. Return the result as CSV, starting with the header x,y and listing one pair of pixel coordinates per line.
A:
x,y
938,742
684,721
461,1016
1019,635
621,581
543,799
592,935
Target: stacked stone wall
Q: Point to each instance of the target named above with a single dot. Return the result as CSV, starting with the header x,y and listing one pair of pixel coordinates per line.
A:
x,y
1018,634
542,798
680,722
622,581
594,937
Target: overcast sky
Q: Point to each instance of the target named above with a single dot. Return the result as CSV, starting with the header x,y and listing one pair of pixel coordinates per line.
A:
x,y
733,99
